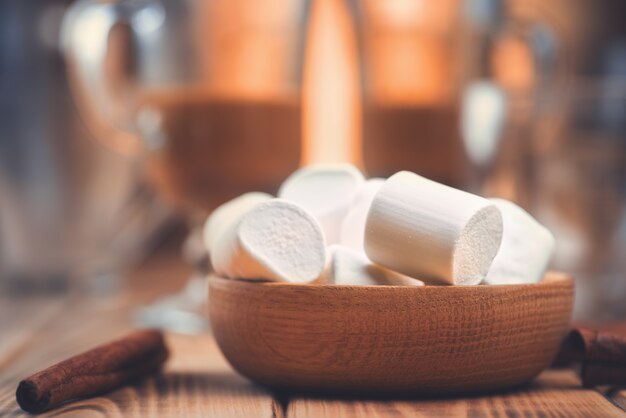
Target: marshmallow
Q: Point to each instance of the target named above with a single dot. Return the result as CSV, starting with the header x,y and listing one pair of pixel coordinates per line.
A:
x,y
526,248
346,266
275,240
353,226
424,229
228,214
326,191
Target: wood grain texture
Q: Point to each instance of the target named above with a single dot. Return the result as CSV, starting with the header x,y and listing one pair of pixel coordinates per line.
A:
x,y
197,380
20,319
553,394
617,396
389,338
78,327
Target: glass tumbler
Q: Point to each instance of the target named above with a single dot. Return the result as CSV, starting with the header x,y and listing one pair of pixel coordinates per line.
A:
x,y
208,93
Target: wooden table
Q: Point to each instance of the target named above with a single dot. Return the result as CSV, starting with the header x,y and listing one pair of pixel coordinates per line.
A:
x,y
37,332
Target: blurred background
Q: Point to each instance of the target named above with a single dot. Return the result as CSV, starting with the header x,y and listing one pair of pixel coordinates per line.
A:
x,y
123,121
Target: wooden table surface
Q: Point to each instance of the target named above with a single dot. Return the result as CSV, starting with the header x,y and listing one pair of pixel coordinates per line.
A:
x,y
197,381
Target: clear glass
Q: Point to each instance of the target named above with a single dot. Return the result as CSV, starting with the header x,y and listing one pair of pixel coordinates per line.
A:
x,y
208,91
71,211
576,185
520,99
561,149
410,64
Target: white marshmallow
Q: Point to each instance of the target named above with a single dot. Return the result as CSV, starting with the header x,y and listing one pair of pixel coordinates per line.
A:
x,y
326,191
428,230
526,248
228,214
353,226
346,266
275,240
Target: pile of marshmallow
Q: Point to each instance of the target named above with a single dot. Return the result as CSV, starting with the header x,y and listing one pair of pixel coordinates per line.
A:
x,y
329,225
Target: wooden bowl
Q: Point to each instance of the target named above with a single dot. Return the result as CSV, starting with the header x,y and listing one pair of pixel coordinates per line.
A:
x,y
382,339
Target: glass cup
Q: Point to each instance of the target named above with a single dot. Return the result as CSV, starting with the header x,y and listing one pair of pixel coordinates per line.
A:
x,y
73,215
410,83
209,92
430,101
560,148
576,185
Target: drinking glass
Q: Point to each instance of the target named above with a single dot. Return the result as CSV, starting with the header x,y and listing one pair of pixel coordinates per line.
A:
x,y
561,148
73,215
410,84
576,185
208,93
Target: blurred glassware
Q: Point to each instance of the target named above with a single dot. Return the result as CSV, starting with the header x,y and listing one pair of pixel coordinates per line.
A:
x,y
430,103
521,99
561,150
576,184
508,59
183,311
410,64
69,209
209,91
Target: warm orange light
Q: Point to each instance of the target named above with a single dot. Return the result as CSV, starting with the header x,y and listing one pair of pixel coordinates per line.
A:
x,y
409,70
407,50
331,123
513,64
251,49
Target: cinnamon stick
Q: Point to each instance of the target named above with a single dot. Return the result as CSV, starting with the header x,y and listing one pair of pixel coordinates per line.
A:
x,y
574,346
606,346
94,372
603,373
602,353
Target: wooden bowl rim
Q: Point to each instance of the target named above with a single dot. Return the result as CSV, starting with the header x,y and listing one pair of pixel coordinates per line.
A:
x,y
550,278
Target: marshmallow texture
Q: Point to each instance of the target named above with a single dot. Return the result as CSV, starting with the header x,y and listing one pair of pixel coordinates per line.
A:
x,y
326,191
353,226
424,229
346,266
276,240
526,248
228,214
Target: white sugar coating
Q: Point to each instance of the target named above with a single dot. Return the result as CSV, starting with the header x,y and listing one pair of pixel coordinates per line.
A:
x,y
228,214
326,191
424,229
284,240
353,226
346,266
526,248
